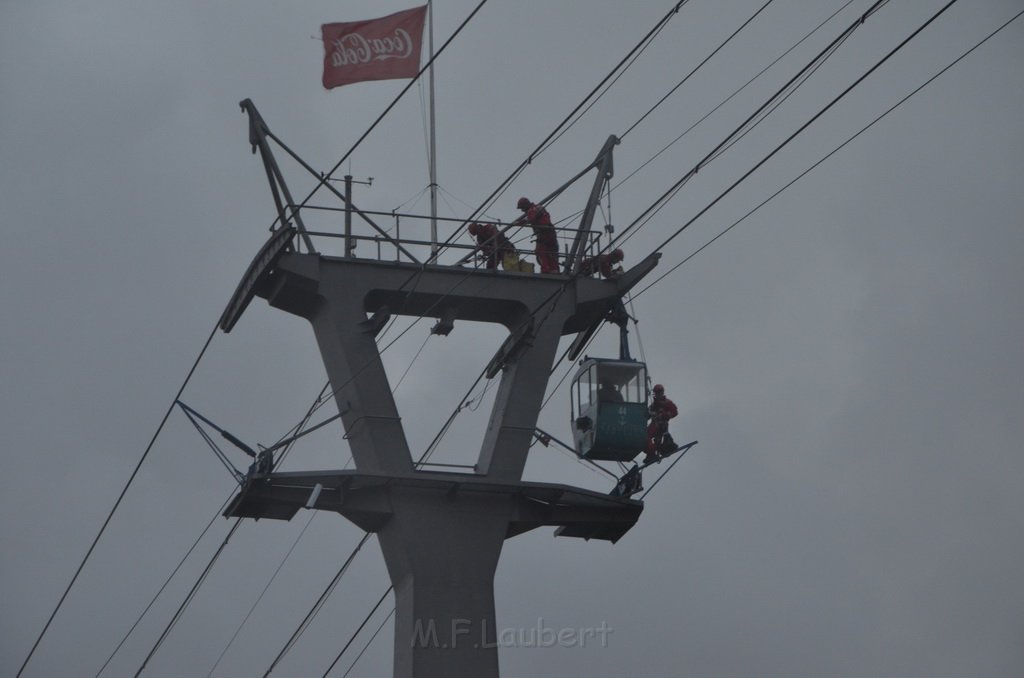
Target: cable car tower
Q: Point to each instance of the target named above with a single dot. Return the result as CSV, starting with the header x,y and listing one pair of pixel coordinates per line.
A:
x,y
441,533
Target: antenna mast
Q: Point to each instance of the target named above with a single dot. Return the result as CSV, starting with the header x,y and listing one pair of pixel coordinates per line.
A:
x,y
433,141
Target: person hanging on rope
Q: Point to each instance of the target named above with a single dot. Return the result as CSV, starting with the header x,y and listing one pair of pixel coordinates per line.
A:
x,y
603,264
494,246
547,240
659,442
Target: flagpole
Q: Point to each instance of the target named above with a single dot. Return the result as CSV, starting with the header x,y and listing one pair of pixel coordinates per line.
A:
x,y
433,141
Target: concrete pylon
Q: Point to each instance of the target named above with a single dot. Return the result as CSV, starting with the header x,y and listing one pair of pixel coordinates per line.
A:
x,y
440,533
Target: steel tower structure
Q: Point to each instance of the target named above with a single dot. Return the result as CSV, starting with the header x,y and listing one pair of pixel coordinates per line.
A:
x,y
441,533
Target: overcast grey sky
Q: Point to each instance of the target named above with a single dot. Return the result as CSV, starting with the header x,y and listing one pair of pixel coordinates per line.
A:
x,y
849,356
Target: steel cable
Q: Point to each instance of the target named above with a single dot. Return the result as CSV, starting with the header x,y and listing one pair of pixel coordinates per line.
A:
x,y
120,497
830,154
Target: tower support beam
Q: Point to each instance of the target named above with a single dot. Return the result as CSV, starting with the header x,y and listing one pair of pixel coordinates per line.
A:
x,y
441,554
440,534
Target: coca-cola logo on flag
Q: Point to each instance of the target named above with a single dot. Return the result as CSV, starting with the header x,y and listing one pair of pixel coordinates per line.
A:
x,y
377,49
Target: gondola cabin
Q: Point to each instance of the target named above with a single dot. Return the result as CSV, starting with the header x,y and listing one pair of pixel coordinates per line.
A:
x,y
609,409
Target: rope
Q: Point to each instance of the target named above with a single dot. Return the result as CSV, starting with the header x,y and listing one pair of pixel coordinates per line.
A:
x,y
663,200
632,58
733,95
695,69
368,643
202,577
235,473
165,584
188,598
120,497
259,598
682,451
807,124
644,495
411,363
838,148
316,606
503,186
830,153
636,330
356,633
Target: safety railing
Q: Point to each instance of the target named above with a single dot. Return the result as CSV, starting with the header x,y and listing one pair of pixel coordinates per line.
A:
x,y
404,237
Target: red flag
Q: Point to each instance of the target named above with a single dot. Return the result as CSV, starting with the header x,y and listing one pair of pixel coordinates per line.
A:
x,y
378,49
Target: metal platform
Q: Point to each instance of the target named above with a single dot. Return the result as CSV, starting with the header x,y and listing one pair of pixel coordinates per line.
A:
x,y
365,499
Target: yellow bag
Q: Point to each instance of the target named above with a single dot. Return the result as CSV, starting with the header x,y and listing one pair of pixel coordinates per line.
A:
x,y
511,262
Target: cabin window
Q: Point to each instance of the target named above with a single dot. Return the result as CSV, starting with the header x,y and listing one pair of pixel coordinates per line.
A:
x,y
588,387
628,379
634,389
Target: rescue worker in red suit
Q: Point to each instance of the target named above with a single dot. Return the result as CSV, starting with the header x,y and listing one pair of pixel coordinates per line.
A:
x,y
547,241
660,411
492,243
603,264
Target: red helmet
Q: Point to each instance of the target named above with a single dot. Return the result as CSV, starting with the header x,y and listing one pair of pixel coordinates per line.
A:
x,y
658,389
617,255
474,228
524,204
